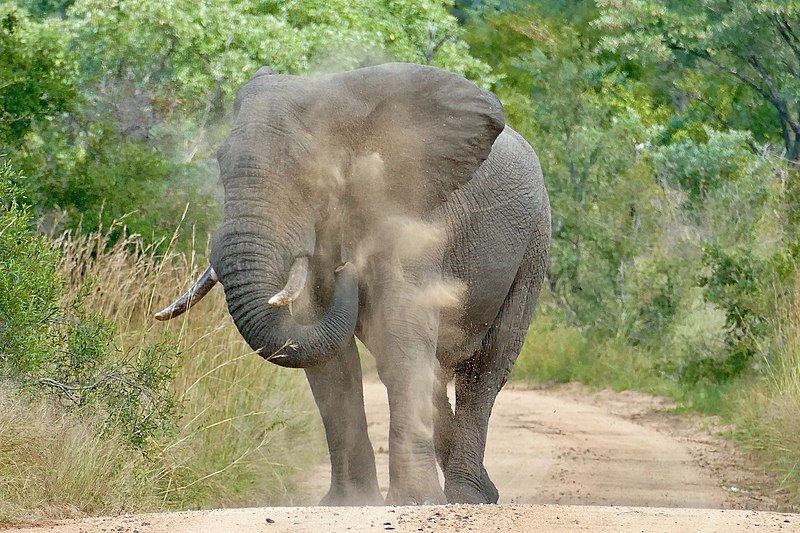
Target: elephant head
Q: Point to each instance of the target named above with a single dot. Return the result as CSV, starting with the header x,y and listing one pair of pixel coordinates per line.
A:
x,y
289,169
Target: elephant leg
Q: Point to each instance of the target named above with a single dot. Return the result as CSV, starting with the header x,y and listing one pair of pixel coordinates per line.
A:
x,y
339,394
444,430
479,380
443,421
413,476
404,345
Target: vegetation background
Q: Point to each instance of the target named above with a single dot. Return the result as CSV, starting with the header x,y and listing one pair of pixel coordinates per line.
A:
x,y
669,134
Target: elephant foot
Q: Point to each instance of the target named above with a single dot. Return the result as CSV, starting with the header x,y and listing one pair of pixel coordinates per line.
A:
x,y
466,492
488,488
432,496
352,496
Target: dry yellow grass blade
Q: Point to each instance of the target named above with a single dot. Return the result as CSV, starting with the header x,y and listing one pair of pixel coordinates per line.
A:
x,y
245,425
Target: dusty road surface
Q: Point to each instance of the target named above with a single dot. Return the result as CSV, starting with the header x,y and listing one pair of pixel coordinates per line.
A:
x,y
563,459
565,445
441,519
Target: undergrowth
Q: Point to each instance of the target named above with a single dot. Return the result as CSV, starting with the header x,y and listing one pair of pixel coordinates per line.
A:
x,y
104,410
767,413
762,405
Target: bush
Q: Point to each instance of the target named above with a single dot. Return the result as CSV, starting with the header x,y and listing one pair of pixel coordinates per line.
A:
x,y
555,352
132,414
54,466
700,168
246,427
56,346
766,415
745,288
30,285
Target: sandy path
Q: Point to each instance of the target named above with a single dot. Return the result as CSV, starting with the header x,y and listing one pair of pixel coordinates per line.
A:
x,y
563,459
551,447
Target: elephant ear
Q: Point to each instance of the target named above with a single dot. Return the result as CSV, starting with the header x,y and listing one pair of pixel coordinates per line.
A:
x,y
431,128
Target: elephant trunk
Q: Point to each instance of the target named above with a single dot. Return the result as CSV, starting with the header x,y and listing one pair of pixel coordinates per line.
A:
x,y
256,291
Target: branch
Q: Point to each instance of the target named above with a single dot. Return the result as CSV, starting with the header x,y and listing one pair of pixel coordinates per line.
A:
x,y
433,45
747,81
778,101
68,390
787,34
771,95
552,281
753,61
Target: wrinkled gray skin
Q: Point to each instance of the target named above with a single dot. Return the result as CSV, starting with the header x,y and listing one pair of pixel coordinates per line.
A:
x,y
409,173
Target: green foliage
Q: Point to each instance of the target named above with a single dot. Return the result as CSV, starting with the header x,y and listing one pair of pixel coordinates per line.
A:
x,y
589,126
344,34
46,344
131,390
752,45
114,109
34,76
700,167
30,285
737,282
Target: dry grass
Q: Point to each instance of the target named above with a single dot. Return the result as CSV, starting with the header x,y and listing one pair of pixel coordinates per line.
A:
x,y
246,426
770,409
56,466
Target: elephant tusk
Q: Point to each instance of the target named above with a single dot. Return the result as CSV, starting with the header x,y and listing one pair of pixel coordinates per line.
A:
x,y
200,288
294,286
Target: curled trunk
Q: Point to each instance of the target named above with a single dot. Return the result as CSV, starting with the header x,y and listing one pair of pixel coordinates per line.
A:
x,y
275,334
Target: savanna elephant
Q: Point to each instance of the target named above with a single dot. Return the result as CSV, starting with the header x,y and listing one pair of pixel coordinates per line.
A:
x,y
392,204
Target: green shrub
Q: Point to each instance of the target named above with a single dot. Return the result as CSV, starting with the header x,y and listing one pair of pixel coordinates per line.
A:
x,y
49,345
555,352
30,285
700,168
736,282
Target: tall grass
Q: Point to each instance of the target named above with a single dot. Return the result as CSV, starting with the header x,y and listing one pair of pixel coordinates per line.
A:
x,y
557,352
246,427
53,465
768,412
561,353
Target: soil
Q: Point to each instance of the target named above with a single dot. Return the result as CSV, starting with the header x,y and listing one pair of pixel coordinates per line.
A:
x,y
563,459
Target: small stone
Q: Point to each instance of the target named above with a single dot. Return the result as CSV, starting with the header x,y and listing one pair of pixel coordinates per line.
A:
x,y
270,521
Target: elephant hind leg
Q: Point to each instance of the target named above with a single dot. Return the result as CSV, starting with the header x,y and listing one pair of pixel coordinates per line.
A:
x,y
479,380
444,419
443,433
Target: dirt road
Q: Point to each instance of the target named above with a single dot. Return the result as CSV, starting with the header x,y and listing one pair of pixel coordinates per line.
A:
x,y
563,459
563,446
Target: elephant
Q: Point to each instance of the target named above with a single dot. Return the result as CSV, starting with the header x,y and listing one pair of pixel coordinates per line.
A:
x,y
391,204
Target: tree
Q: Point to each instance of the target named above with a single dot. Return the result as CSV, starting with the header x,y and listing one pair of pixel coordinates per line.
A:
x,y
754,44
145,88
35,78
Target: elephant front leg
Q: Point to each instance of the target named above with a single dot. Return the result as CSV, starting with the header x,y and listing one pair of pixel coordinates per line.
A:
x,y
339,394
407,366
